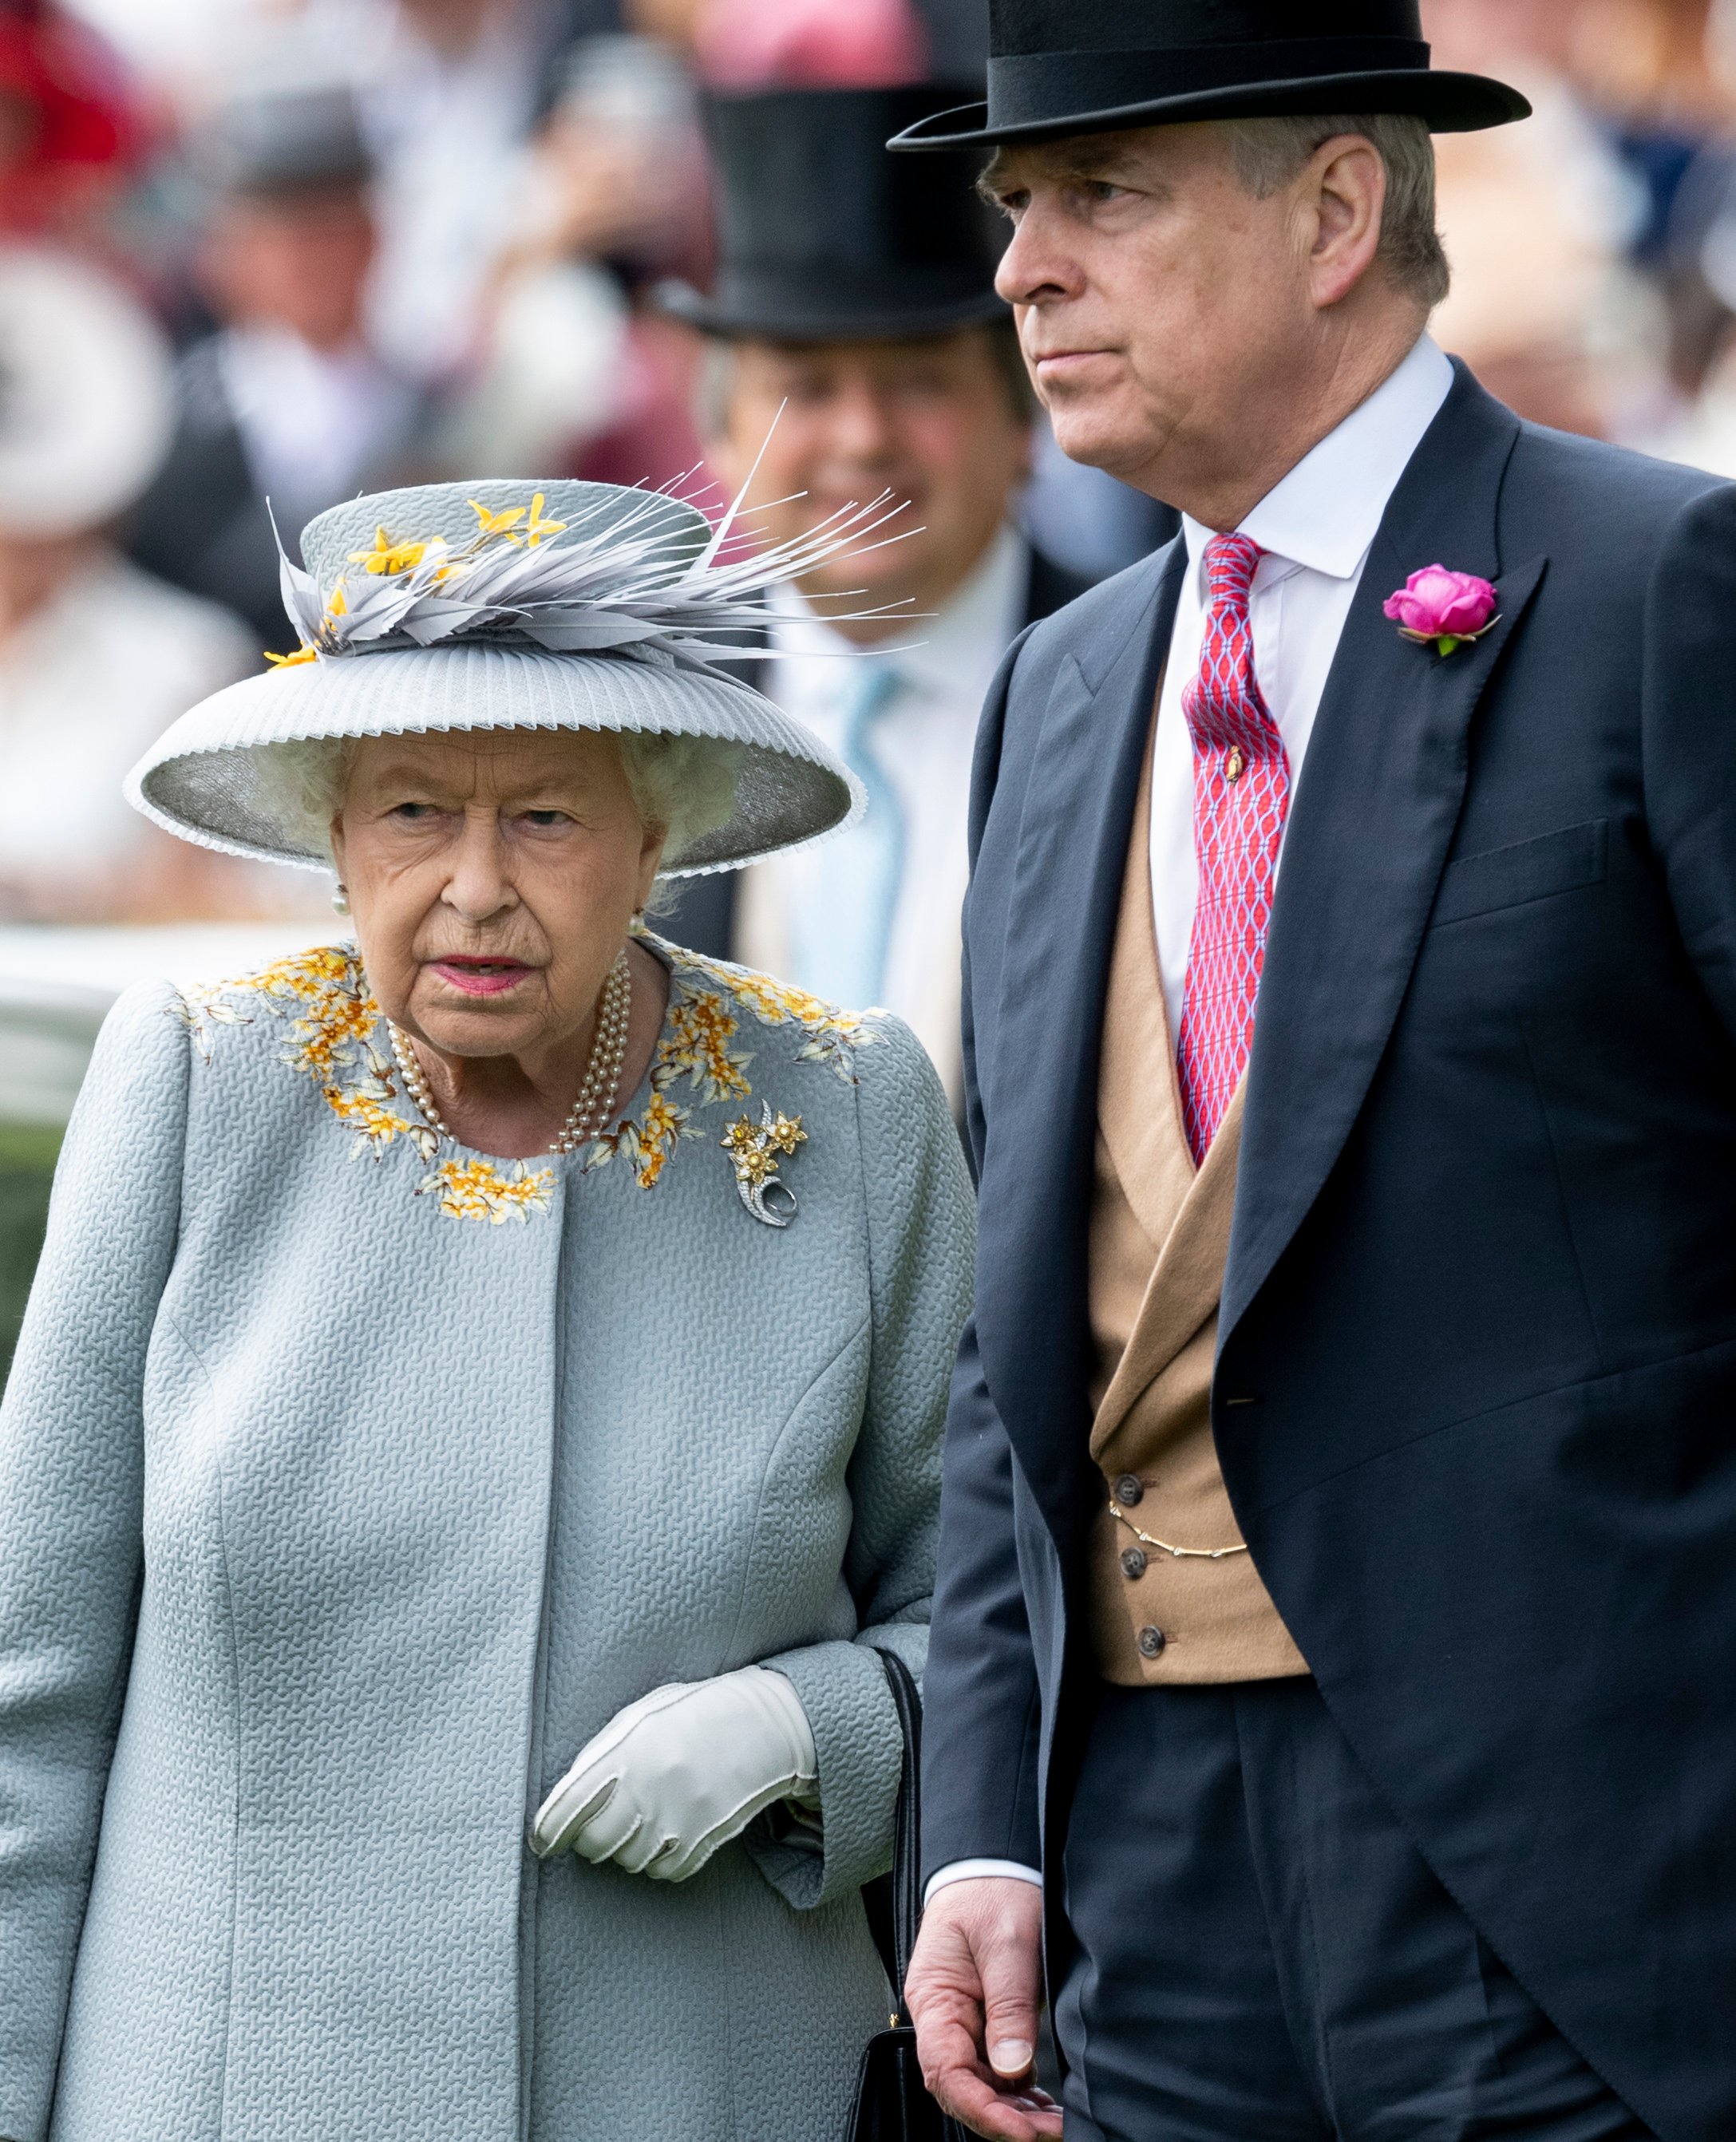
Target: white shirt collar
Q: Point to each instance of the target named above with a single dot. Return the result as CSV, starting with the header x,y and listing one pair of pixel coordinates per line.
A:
x,y
1323,515
954,653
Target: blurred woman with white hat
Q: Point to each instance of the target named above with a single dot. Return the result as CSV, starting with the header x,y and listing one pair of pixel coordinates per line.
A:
x,y
97,658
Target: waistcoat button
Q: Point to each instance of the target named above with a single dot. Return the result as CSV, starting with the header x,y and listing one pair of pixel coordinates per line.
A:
x,y
1151,1642
1133,1562
1129,1489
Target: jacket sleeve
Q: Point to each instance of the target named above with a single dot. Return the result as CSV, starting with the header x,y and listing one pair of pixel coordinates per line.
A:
x,y
1689,747
980,1705
71,1491
920,1225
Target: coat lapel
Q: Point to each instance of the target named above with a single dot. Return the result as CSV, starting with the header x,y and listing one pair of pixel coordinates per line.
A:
x,y
1376,807
1049,587
1061,905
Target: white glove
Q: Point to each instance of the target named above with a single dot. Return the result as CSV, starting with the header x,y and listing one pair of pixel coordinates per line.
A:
x,y
680,1773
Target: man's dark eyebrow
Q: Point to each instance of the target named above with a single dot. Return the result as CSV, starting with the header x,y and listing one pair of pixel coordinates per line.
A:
x,y
1079,162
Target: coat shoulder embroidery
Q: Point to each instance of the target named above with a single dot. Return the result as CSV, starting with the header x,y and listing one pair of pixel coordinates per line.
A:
x,y
332,1033
710,1008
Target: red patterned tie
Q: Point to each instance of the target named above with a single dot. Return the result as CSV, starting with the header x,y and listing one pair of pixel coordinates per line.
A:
x,y
1241,793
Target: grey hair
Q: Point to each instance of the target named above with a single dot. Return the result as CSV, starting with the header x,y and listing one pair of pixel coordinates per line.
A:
x,y
1268,154
684,787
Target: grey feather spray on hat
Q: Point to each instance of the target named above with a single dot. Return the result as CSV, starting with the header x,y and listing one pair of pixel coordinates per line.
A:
x,y
453,607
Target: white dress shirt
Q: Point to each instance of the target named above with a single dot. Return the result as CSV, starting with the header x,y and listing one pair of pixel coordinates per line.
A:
x,y
313,422
924,740
1316,527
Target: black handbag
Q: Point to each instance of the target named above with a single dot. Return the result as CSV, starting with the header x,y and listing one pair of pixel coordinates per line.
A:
x,y
891,2103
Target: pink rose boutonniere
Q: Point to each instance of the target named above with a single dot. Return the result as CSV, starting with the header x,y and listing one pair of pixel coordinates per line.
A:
x,y
1442,608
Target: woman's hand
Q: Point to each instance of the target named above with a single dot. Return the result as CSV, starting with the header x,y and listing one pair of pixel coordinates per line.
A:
x,y
680,1773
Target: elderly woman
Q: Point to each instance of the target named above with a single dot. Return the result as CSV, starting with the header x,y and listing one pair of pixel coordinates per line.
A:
x,y
479,1413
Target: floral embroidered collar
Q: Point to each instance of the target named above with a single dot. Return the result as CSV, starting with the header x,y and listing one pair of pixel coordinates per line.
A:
x,y
333,1034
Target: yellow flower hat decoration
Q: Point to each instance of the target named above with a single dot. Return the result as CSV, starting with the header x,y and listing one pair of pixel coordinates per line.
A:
x,y
536,528
389,555
501,524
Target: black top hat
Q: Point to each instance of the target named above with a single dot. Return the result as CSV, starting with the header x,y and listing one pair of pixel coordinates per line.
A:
x,y
822,237
1087,66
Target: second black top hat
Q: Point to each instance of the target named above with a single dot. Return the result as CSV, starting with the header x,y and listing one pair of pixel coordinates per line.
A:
x,y
824,236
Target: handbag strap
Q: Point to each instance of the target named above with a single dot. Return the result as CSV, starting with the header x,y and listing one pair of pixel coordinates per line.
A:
x,y
895,1928
906,1913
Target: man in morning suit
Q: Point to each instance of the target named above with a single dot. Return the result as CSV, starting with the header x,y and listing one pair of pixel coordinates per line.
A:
x,y
1336,1604
855,319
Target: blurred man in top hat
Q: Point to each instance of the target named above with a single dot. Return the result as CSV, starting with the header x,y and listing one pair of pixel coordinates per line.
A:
x,y
1336,1607
285,401
857,297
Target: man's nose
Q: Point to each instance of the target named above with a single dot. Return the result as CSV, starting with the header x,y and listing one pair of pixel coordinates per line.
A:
x,y
1036,267
861,426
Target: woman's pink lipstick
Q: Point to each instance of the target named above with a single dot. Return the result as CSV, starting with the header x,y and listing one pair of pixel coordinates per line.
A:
x,y
480,977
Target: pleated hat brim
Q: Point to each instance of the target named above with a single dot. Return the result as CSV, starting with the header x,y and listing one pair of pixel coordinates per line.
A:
x,y
206,778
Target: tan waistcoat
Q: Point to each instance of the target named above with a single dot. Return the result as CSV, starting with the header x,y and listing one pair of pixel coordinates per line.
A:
x,y
1159,1240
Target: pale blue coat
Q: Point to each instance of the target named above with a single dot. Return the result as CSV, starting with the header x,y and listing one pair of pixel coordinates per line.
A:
x,y
335,1519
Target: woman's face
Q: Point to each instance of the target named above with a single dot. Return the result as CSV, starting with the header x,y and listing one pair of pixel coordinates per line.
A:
x,y
492,876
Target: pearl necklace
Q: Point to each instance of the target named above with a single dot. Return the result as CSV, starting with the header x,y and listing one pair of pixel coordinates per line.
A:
x,y
589,1115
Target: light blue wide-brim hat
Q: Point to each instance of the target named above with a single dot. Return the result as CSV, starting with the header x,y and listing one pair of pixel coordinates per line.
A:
x,y
509,604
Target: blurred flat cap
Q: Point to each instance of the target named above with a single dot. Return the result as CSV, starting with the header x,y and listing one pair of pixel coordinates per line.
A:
x,y
289,140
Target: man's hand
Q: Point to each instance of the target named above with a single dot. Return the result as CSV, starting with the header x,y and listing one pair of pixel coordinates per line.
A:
x,y
973,1992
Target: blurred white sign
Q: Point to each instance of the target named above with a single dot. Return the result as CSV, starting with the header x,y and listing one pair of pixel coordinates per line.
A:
x,y
58,985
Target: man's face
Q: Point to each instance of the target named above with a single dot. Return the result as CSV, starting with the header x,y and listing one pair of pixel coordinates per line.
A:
x,y
300,261
931,420
1157,299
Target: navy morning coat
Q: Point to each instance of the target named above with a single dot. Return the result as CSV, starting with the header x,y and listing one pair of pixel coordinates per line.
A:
x,y
1475,1390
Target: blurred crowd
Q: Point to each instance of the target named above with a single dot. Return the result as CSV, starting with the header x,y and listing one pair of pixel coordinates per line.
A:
x,y
258,255
1594,247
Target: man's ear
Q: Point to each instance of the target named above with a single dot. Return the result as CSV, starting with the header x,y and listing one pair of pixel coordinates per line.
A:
x,y
1346,194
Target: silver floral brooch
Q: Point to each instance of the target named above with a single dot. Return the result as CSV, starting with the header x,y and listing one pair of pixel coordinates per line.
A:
x,y
754,1150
